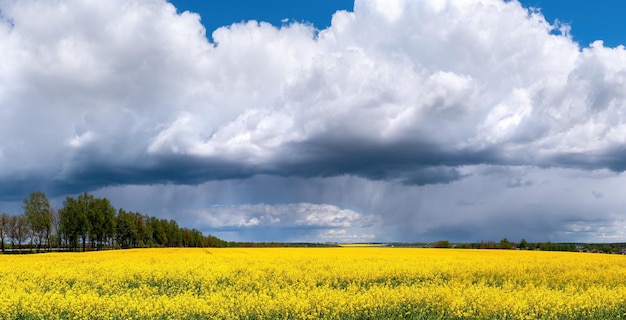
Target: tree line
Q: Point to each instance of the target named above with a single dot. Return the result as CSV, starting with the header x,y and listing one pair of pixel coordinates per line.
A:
x,y
542,246
90,223
505,244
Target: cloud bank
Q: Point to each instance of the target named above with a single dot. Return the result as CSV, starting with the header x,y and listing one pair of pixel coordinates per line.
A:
x,y
100,95
305,221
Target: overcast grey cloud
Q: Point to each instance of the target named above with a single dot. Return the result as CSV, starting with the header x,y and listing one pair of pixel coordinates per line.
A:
x,y
403,120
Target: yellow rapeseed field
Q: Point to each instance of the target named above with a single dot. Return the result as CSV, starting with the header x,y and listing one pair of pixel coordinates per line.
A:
x,y
313,283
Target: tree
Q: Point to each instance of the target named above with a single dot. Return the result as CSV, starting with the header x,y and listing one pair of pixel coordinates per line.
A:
x,y
56,229
85,202
523,244
214,242
101,216
142,230
38,213
125,229
73,221
4,227
11,233
147,233
505,244
159,234
174,234
192,238
441,244
18,230
109,220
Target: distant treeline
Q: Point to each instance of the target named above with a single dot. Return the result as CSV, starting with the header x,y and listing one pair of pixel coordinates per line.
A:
x,y
525,245
89,223
215,242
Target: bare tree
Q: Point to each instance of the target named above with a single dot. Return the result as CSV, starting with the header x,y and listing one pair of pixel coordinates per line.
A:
x,y
12,230
4,227
19,230
56,228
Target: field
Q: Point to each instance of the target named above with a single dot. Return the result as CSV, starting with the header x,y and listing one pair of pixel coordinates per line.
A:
x,y
312,283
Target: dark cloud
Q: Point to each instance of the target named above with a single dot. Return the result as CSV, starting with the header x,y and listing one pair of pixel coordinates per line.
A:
x,y
411,163
597,194
519,182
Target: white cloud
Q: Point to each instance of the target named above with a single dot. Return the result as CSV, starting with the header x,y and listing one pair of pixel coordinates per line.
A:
x,y
343,236
479,77
284,215
78,141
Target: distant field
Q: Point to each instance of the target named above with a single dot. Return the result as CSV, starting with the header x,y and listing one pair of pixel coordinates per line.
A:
x,y
312,283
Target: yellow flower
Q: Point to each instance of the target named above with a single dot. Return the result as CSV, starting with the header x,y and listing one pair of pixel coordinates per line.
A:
x,y
312,283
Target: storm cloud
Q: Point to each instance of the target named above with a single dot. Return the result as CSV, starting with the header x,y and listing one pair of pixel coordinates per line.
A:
x,y
420,97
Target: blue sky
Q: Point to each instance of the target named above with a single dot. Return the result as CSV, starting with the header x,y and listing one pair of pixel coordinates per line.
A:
x,y
378,120
589,20
216,14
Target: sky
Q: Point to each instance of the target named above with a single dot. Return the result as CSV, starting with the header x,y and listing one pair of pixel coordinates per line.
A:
x,y
330,121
